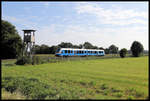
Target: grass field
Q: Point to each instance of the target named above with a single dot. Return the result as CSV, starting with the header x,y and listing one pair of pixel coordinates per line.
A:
x,y
115,78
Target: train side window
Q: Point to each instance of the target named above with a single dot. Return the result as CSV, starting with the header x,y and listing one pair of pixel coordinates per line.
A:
x,y
65,51
68,51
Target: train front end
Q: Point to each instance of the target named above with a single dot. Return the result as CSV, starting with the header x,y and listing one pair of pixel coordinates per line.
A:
x,y
58,53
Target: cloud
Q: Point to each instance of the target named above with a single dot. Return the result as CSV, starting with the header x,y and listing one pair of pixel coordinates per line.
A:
x,y
113,16
101,37
24,22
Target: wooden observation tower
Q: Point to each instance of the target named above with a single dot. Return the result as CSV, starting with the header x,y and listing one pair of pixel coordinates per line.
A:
x,y
28,42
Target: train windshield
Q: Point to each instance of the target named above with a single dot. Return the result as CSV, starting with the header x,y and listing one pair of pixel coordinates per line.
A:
x,y
57,51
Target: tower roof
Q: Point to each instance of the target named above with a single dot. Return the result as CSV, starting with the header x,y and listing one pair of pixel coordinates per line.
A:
x,y
29,30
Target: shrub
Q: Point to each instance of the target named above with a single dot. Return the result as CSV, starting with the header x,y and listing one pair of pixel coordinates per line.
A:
x,y
104,86
130,97
119,94
31,88
123,52
23,60
36,60
136,48
139,94
115,90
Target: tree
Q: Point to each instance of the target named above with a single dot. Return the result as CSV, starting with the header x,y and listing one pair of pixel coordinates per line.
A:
x,y
106,51
113,49
11,42
123,52
53,49
136,48
101,48
88,45
65,45
37,49
44,49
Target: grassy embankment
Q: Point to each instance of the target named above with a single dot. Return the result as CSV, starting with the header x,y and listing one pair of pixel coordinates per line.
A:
x,y
115,78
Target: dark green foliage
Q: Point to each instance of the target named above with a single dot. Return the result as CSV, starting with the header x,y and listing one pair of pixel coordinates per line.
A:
x,y
115,90
123,52
53,49
136,48
11,42
101,48
113,49
23,60
106,51
88,45
118,94
36,60
134,92
104,86
65,45
31,88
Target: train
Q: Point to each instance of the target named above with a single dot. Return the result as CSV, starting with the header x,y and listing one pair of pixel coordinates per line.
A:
x,y
64,52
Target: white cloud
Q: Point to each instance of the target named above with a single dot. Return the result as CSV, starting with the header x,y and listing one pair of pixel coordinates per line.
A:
x,y
26,23
113,16
102,37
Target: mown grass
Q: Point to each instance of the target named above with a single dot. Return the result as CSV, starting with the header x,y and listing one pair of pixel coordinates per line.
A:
x,y
115,78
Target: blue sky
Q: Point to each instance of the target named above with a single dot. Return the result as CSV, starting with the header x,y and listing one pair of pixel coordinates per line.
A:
x,y
100,23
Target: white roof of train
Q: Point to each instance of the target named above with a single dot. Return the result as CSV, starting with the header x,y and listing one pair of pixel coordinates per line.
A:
x,y
81,49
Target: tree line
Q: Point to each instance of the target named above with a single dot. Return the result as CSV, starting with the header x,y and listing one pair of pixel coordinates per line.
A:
x,y
11,45
45,49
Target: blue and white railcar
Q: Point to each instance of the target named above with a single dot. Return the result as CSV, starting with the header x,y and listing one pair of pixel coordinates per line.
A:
x,y
79,52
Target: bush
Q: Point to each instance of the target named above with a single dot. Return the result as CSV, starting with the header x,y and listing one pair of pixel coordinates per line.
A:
x,y
104,86
36,60
136,48
123,52
130,97
23,60
31,88
118,94
115,90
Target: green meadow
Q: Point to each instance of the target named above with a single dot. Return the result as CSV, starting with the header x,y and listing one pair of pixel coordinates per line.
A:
x,y
113,78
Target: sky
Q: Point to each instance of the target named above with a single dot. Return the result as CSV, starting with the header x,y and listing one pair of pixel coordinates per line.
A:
x,y
100,23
